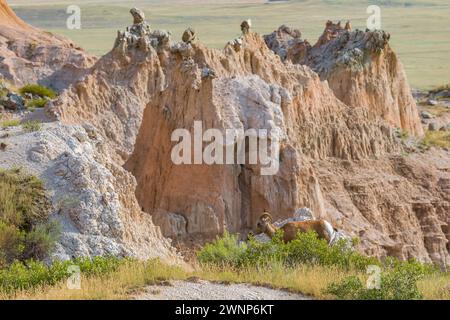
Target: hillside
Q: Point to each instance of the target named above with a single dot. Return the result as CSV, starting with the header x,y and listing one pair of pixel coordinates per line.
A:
x,y
106,142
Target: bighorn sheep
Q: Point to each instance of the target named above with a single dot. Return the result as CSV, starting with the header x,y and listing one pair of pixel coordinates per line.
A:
x,y
321,227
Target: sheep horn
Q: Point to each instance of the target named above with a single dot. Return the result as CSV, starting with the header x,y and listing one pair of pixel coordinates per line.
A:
x,y
266,215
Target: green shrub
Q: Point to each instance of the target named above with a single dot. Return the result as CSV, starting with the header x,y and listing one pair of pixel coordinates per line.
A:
x,y
37,90
397,282
99,265
36,103
440,139
23,200
31,126
23,276
305,249
10,123
224,250
3,92
40,241
33,274
11,243
25,232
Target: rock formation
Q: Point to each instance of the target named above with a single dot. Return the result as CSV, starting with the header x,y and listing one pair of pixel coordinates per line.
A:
x,y
30,55
324,141
92,195
360,67
287,43
342,159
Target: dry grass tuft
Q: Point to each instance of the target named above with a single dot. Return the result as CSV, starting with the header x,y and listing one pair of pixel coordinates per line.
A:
x,y
437,139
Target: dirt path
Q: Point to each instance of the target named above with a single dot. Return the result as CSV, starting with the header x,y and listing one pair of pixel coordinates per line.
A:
x,y
205,290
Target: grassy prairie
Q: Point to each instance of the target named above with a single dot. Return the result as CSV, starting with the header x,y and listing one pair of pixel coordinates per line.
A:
x,y
419,28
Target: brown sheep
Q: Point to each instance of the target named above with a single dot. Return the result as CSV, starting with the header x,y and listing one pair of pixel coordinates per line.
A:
x,y
321,227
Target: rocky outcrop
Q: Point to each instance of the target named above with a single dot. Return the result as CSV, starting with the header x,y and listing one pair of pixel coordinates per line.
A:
x,y
29,55
361,69
287,43
92,196
244,86
397,205
342,160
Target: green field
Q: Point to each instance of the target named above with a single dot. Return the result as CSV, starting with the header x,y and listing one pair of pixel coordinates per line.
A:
x,y
420,29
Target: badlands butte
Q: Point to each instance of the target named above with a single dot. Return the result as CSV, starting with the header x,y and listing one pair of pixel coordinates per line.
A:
x,y
350,133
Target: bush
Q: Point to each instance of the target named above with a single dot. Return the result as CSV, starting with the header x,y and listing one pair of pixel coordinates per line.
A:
x,y
31,126
37,90
3,90
32,274
397,282
40,241
224,250
23,200
25,232
10,123
11,239
306,249
36,103
98,265
440,139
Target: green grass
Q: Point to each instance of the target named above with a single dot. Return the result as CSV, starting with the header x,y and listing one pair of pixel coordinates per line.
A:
x,y
10,123
36,103
437,139
437,111
25,232
32,275
37,90
419,30
3,91
31,125
306,249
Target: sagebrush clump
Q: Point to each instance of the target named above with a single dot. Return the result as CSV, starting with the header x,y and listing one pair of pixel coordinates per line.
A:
x,y
38,90
31,126
36,103
25,229
397,281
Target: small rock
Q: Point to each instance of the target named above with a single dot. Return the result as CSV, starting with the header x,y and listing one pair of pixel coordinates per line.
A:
x,y
189,36
3,146
208,73
443,94
303,214
432,102
417,94
246,25
13,102
426,115
432,126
